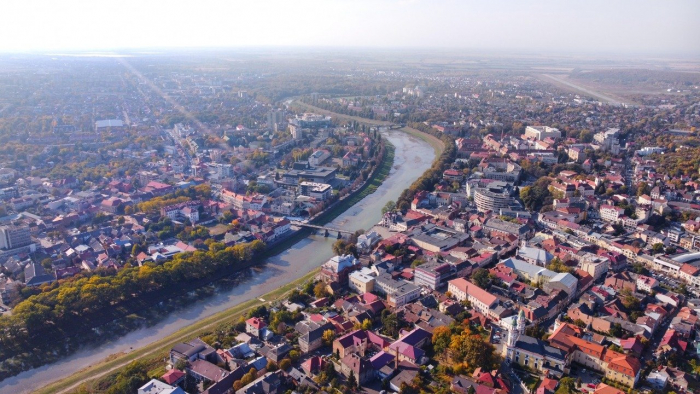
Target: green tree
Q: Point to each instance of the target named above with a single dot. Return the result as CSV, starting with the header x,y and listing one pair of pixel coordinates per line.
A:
x,y
285,364
352,381
388,207
480,277
567,385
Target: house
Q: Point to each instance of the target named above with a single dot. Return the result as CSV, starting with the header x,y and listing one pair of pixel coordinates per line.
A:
x,y
174,377
358,341
603,388
313,365
191,351
270,383
337,269
311,337
358,366
204,371
406,376
34,275
158,387
616,366
482,301
254,326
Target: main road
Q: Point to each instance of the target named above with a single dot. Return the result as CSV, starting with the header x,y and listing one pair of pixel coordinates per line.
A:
x,y
413,156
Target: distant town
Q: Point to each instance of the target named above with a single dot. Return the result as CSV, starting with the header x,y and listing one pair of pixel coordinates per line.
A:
x,y
552,247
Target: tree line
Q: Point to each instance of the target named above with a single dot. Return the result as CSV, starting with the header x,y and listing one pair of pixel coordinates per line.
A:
x,y
81,302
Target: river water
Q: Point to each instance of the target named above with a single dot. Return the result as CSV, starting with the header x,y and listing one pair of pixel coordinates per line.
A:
x,y
413,156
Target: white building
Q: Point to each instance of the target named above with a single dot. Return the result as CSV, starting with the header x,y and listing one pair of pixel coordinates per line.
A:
x,y
158,387
318,157
541,132
361,281
611,213
594,265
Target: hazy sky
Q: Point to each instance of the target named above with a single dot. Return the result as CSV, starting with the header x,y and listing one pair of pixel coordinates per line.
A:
x,y
608,26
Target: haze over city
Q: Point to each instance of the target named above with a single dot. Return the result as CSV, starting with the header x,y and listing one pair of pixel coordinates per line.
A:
x,y
349,196
641,27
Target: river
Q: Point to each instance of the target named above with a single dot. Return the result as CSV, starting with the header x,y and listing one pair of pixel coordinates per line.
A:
x,y
412,158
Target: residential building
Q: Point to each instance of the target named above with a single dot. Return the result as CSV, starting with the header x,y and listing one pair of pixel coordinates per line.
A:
x,y
541,132
481,300
338,268
157,387
319,191
12,237
398,292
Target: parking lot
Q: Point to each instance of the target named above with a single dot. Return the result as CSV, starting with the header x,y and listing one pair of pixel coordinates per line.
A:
x,y
589,379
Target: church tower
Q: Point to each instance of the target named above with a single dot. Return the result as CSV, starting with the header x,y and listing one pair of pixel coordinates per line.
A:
x,y
515,330
521,323
512,334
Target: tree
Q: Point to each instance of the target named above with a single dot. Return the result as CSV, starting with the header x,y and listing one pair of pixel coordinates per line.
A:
x,y
309,288
480,277
557,265
390,325
320,290
657,248
366,324
388,207
352,381
441,339
285,364
474,351
339,247
328,337
417,262
46,263
616,330
567,385
271,366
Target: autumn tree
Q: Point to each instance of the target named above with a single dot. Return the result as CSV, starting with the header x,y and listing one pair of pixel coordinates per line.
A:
x,y
320,290
328,337
474,351
442,336
285,364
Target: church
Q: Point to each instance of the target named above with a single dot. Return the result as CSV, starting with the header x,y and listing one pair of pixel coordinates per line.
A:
x,y
531,352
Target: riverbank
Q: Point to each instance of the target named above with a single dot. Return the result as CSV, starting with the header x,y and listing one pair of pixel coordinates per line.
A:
x,y
160,348
435,142
117,361
413,156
